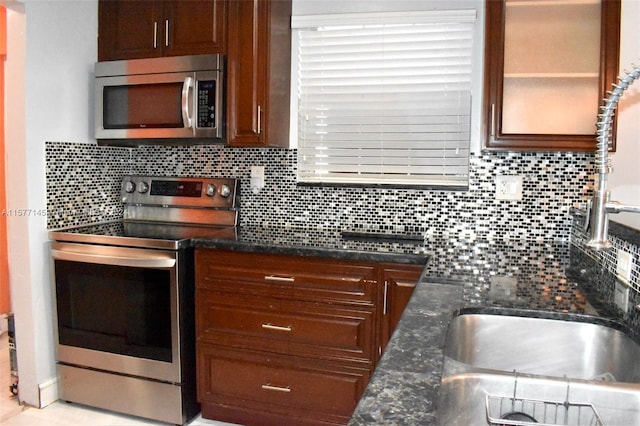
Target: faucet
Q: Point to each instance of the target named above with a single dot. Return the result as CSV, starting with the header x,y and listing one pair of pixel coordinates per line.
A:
x,y
600,206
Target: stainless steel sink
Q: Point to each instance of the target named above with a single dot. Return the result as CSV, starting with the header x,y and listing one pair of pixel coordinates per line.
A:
x,y
507,369
548,347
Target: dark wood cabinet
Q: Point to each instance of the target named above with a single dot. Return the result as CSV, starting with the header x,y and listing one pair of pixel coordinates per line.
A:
x,y
131,29
283,339
258,73
250,388
290,339
548,66
398,283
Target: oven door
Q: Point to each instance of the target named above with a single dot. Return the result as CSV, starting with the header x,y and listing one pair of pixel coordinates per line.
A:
x,y
117,309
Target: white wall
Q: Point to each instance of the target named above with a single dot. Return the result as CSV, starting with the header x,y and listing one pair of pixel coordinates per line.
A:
x,y
52,47
624,182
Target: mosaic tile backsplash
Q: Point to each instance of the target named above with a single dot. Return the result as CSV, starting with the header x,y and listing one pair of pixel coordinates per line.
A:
x,y
83,186
83,183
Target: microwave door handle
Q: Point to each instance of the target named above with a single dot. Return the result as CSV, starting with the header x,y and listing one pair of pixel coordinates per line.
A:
x,y
154,263
186,115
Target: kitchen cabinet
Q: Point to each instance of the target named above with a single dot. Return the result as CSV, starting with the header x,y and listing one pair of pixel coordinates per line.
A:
x,y
284,339
398,282
130,29
259,73
548,66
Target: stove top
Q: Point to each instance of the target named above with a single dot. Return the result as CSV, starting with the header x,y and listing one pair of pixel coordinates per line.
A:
x,y
165,212
139,234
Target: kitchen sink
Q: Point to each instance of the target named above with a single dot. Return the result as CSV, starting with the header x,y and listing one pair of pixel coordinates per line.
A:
x,y
518,370
549,347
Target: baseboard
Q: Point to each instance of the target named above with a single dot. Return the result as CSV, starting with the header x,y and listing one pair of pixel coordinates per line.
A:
x,y
48,392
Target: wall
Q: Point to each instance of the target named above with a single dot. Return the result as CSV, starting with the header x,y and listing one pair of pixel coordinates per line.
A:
x,y
624,182
51,52
4,255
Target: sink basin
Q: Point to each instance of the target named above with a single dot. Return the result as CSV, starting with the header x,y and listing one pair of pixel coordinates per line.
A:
x,y
548,347
514,370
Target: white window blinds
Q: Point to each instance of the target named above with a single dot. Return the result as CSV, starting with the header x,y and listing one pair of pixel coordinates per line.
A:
x,y
385,98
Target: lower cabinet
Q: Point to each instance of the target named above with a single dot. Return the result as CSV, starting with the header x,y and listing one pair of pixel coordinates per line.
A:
x,y
289,339
250,387
398,283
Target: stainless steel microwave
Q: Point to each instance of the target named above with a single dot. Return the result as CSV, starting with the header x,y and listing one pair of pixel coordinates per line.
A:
x,y
160,100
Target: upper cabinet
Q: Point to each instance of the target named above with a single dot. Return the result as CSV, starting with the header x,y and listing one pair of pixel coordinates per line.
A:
x,y
255,36
258,72
130,29
548,65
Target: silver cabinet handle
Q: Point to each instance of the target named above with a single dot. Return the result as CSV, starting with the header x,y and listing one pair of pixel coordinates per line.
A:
x,y
166,32
384,302
186,115
259,119
276,327
271,387
155,34
493,119
277,278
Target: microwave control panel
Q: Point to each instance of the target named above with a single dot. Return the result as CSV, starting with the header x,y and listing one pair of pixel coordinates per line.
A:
x,y
206,104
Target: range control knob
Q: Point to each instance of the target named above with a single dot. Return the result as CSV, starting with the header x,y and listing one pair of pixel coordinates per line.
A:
x,y
129,187
225,191
211,190
143,187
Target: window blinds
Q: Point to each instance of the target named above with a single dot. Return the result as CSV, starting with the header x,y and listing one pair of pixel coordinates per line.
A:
x,y
385,98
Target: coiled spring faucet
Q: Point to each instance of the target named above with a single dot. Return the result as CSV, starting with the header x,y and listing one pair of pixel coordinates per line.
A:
x,y
600,206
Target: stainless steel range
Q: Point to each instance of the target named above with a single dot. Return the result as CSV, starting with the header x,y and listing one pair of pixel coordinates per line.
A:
x,y
124,297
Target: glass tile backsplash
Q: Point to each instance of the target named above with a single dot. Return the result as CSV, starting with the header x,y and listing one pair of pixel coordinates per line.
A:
x,y
83,184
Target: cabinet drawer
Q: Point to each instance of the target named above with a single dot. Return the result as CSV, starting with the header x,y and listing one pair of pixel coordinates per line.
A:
x,y
278,384
292,277
286,326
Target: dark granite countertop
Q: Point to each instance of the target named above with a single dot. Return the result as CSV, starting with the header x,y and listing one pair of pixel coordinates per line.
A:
x,y
375,247
404,387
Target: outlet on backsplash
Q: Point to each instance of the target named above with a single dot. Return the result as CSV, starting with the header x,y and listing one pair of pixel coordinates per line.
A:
x,y
503,288
508,187
623,266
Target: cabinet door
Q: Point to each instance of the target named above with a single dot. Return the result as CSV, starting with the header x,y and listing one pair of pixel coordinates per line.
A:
x,y
251,387
286,326
246,72
194,27
259,72
548,66
129,29
399,281
305,279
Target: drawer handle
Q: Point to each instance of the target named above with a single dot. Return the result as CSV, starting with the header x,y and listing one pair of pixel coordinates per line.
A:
x,y
276,327
276,388
277,278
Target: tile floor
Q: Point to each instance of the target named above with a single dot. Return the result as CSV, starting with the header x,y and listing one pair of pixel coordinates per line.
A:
x,y
62,413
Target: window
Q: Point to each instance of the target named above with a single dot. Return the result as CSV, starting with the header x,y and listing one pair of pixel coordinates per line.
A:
x,y
384,98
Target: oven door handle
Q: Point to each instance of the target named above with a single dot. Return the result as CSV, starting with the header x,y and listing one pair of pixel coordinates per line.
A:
x,y
135,262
